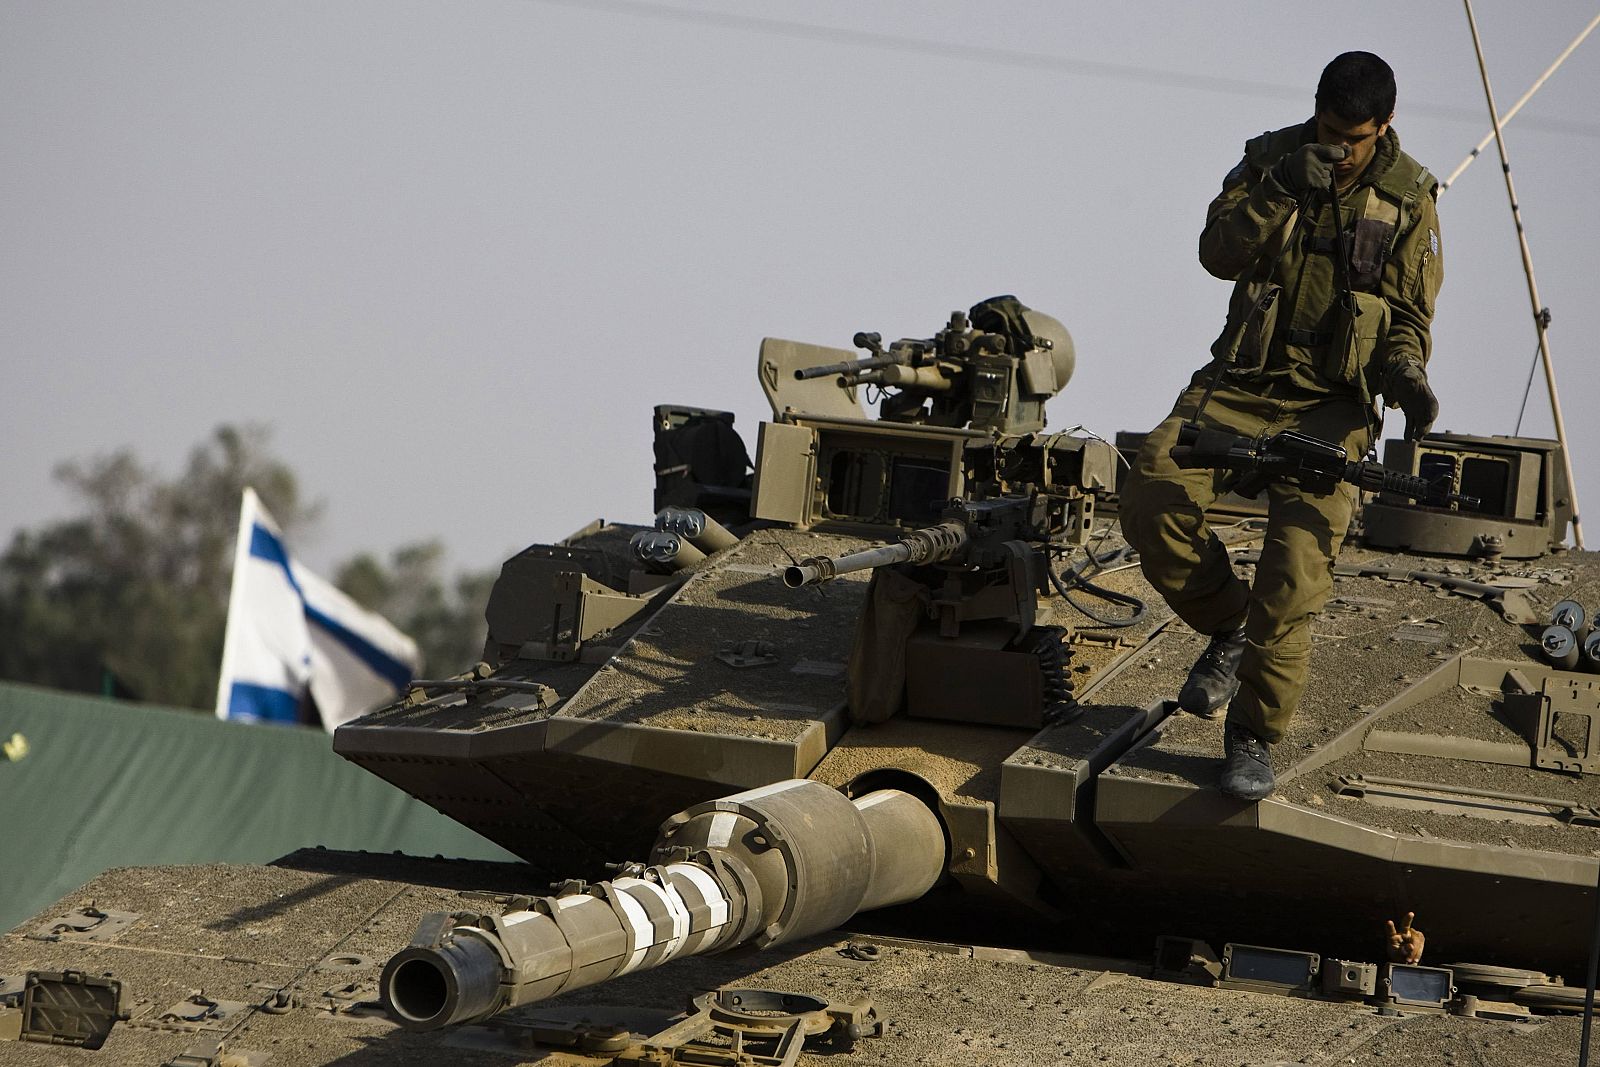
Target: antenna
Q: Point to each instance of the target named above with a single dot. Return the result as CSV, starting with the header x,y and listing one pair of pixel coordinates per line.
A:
x,y
1509,115
1540,317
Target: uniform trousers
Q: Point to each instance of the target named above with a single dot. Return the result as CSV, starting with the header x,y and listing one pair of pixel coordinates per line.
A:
x,y
1162,511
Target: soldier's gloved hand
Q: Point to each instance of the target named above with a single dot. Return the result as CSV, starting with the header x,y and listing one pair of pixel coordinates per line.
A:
x,y
1407,388
1309,168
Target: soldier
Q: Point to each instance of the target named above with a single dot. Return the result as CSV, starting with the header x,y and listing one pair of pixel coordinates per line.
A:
x,y
1311,338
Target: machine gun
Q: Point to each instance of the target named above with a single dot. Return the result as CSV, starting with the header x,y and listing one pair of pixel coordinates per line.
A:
x,y
974,534
933,544
950,628
1314,463
991,369
977,538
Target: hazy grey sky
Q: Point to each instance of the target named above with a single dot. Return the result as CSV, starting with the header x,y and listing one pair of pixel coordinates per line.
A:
x,y
453,252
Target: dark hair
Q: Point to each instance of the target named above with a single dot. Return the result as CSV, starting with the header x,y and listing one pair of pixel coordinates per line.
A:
x,y
1357,86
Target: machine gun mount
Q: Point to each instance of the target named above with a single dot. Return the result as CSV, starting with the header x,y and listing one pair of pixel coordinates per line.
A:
x,y
990,369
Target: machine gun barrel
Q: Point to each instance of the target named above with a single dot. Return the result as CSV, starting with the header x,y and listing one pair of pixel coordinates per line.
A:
x,y
849,367
760,867
930,378
1295,455
928,545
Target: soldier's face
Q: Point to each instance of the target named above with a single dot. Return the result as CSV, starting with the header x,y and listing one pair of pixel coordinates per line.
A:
x,y
1361,138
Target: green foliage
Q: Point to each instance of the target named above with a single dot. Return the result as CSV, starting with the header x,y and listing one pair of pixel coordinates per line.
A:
x,y
133,592
131,595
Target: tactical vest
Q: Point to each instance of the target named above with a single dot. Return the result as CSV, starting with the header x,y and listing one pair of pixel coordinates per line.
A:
x,y
1387,205
1346,356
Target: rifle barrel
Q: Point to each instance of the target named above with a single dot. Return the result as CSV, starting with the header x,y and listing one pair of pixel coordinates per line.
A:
x,y
1370,476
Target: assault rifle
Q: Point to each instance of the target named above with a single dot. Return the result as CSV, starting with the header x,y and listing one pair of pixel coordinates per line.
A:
x,y
1314,463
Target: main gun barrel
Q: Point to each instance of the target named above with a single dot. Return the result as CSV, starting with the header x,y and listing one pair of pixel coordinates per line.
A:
x,y
760,867
928,545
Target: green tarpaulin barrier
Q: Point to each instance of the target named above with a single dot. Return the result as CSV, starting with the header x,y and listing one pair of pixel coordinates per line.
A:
x,y
107,783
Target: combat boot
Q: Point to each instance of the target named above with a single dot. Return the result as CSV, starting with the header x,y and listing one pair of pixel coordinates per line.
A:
x,y
1246,765
1214,678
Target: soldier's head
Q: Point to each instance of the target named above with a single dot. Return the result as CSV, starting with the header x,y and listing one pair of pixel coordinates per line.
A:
x,y
1355,103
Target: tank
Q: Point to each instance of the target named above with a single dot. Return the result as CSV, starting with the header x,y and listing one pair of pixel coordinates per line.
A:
x,y
906,654
885,718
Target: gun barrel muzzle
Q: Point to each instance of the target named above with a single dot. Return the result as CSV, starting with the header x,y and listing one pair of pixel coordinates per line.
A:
x,y
810,571
434,986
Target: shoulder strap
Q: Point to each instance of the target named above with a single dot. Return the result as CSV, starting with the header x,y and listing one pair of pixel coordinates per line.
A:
x,y
1407,179
1402,186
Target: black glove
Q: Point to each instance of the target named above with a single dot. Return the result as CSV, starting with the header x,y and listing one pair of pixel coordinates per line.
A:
x,y
1407,388
1308,169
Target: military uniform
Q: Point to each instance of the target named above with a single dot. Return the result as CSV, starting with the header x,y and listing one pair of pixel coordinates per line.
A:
x,y
1291,356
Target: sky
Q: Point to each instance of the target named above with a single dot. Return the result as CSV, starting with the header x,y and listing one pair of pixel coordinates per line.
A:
x,y
453,253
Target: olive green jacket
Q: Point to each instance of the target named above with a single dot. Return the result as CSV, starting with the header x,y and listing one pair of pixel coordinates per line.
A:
x,y
1287,323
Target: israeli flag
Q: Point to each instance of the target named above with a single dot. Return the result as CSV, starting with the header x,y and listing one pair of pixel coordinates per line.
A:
x,y
290,634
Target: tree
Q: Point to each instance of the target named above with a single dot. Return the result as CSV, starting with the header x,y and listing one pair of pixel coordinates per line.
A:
x,y
131,596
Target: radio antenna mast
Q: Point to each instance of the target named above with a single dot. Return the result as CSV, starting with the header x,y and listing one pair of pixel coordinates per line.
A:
x,y
1505,120
1541,316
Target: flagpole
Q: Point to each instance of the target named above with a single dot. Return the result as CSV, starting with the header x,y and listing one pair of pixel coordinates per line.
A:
x,y
1539,316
